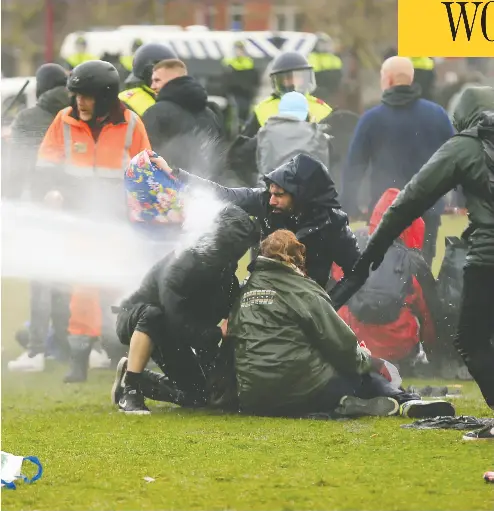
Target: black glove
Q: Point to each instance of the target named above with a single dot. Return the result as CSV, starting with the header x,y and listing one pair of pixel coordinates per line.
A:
x,y
371,257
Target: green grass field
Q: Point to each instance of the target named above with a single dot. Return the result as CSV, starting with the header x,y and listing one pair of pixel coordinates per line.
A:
x,y
96,458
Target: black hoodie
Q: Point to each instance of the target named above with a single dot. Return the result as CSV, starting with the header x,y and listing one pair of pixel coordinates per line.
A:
x,y
181,110
28,130
317,220
196,288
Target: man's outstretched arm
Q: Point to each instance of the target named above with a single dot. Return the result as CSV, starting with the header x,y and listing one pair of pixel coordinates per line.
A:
x,y
248,199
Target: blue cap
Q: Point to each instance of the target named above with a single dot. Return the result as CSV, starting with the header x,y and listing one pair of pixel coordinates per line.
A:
x,y
294,104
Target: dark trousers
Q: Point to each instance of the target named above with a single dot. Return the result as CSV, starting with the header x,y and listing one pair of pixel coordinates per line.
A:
x,y
366,386
327,400
243,107
475,334
49,304
172,353
432,224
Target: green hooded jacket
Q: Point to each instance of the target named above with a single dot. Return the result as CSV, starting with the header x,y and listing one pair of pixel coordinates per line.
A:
x,y
289,341
459,162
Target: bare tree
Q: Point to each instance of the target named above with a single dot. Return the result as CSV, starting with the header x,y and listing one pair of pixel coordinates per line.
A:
x,y
23,23
363,29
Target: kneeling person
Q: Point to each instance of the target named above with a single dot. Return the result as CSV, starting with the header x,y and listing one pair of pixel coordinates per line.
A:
x,y
173,317
294,355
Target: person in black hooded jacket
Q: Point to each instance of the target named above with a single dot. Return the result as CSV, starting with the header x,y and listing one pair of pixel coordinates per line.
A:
x,y
299,196
174,314
181,109
30,125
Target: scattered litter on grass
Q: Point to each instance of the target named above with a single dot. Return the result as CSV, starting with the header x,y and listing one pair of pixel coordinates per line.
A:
x,y
489,477
149,479
11,469
459,423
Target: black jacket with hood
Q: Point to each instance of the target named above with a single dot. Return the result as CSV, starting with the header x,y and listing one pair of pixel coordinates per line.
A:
x,y
460,161
28,130
181,109
196,287
317,221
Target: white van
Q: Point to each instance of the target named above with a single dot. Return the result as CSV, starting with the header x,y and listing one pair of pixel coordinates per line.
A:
x,y
9,88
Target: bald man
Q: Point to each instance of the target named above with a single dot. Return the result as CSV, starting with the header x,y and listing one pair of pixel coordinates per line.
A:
x,y
392,141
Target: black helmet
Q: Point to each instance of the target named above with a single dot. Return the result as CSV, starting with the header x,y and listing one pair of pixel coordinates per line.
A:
x,y
98,79
290,72
146,57
289,61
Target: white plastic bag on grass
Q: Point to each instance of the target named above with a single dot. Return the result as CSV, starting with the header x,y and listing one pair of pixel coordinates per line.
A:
x,y
12,466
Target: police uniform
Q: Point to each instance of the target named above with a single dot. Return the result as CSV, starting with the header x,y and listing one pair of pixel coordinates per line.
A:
x,y
126,62
79,58
318,110
424,74
138,99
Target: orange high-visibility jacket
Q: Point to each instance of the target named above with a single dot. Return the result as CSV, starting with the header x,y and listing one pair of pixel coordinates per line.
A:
x,y
89,173
69,142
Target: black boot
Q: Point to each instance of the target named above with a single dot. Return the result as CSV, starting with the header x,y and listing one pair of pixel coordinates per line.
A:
x,y
158,387
80,349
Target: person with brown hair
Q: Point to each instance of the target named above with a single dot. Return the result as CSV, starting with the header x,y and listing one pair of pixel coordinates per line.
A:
x,y
295,356
181,109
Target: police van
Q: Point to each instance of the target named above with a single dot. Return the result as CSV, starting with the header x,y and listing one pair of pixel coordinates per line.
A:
x,y
11,103
202,50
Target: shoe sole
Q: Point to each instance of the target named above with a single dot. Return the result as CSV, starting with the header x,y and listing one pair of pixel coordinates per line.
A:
x,y
432,409
468,438
120,372
134,412
375,407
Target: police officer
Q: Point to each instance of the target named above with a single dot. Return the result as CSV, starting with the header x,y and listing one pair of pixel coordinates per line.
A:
x,y
81,54
140,97
425,75
241,79
291,71
327,67
127,60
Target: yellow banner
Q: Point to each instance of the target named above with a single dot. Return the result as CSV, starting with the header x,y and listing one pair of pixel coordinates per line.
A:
x,y
445,29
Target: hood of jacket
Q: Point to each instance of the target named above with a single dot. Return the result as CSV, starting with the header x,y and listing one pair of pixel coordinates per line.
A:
x,y
54,100
413,236
186,92
401,95
308,181
472,103
235,232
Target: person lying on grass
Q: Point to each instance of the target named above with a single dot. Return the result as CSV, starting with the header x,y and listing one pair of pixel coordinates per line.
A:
x,y
294,355
173,317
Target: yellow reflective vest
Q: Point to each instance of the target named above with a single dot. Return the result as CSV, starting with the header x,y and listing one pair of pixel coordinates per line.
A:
x,y
78,58
239,63
138,99
425,63
324,62
127,61
318,109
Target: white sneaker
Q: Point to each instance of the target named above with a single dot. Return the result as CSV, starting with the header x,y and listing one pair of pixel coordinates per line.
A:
x,y
99,360
28,364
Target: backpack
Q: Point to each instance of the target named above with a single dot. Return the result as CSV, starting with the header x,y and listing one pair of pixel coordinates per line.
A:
x,y
282,138
450,279
382,297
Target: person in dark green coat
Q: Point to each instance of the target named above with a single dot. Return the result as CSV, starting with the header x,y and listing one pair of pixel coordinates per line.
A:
x,y
466,160
294,355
